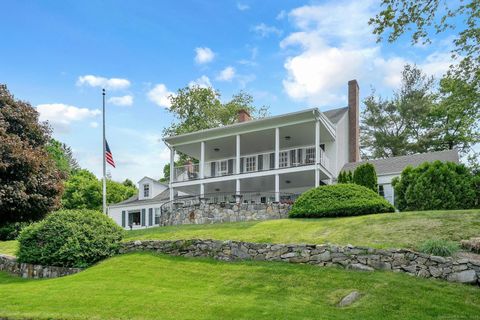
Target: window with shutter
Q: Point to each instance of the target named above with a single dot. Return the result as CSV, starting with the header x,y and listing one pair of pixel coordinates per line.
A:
x,y
260,162
272,160
241,165
143,218
293,158
150,216
212,169
230,166
124,219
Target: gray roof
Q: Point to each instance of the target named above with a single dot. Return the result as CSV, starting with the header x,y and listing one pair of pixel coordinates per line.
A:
x,y
397,164
335,115
162,196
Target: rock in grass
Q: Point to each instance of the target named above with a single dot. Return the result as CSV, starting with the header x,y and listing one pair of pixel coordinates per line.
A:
x,y
360,267
349,299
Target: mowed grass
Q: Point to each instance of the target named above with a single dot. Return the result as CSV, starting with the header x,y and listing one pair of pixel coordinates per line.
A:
x,y
8,247
394,230
149,286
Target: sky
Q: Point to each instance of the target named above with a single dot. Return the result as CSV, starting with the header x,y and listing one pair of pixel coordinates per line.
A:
x,y
290,55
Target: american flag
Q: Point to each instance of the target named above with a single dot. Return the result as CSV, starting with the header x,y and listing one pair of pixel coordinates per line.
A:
x,y
108,155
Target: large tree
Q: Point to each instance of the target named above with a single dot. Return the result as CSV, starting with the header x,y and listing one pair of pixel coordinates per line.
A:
x,y
63,157
30,183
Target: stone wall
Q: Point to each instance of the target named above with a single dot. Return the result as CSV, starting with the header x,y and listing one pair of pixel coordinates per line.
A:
x,y
357,258
220,213
26,270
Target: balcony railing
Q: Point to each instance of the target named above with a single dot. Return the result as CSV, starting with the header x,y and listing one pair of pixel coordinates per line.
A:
x,y
288,158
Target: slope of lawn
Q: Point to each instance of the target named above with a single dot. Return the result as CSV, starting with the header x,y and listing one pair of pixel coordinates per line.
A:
x,y
8,247
148,286
394,230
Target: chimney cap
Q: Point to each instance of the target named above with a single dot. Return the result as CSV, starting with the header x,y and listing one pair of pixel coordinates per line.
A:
x,y
243,115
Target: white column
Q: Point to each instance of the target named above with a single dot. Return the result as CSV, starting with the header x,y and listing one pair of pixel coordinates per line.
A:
x,y
202,160
202,190
317,153
237,157
172,171
237,190
277,147
277,187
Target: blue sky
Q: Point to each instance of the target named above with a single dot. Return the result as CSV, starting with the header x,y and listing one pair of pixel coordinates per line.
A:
x,y
289,55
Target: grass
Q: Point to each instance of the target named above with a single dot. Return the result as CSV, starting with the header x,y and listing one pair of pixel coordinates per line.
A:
x,y
395,230
149,286
8,247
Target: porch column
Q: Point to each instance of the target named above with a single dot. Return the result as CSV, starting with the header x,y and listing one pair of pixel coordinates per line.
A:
x,y
237,157
277,147
172,172
277,188
202,160
317,153
237,190
202,190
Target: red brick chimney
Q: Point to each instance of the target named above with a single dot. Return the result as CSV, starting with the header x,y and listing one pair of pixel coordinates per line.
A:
x,y
353,122
243,115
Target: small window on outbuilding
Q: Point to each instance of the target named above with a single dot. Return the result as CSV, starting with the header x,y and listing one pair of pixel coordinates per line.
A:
x,y
146,190
381,190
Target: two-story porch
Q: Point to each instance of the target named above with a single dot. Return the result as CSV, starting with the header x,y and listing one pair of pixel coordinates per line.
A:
x,y
283,154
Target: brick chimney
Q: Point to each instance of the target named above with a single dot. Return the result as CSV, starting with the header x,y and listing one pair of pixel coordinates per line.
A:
x,y
243,115
353,122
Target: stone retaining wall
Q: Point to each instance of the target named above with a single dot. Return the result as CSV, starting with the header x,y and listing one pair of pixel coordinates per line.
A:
x,y
220,213
357,258
26,270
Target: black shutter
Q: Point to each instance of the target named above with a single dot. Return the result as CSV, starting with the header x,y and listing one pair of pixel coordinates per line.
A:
x,y
272,160
241,164
292,158
150,216
143,218
299,156
212,168
124,219
230,166
260,162
130,219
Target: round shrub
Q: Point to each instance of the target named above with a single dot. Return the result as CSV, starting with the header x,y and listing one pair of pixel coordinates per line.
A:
x,y
70,238
339,200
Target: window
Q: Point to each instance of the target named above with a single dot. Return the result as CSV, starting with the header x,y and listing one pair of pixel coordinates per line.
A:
x,y
310,155
157,215
283,159
146,190
134,218
381,190
223,168
251,164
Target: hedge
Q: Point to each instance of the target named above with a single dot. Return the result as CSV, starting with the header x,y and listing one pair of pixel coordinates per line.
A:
x,y
339,200
70,238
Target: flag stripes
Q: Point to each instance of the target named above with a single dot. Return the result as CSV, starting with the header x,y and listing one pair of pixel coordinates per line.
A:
x,y
108,155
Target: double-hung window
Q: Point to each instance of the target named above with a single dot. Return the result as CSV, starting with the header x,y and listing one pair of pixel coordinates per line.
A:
x,y
146,190
223,168
283,159
251,164
157,215
310,155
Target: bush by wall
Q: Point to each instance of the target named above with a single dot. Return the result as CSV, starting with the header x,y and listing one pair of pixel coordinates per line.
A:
x,y
11,230
365,175
436,186
339,200
70,238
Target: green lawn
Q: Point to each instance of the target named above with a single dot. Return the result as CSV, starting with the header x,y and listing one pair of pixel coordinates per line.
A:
x,y
8,247
396,230
148,286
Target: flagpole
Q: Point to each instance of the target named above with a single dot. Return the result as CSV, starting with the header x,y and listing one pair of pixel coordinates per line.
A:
x,y
104,180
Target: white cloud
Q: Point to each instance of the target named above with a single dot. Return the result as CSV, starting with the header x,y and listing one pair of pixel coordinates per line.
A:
x,y
264,30
123,101
281,15
204,55
242,6
97,81
437,63
202,82
60,115
226,74
160,95
94,124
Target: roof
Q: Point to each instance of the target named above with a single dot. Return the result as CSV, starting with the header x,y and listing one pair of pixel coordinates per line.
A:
x,y
133,200
154,180
397,164
335,115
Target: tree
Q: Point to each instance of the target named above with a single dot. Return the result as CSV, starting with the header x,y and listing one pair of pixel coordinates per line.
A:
x,y
30,183
128,183
84,191
345,177
365,175
63,157
399,126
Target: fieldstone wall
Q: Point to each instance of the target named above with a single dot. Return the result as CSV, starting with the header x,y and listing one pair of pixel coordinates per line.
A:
x,y
205,213
26,270
357,258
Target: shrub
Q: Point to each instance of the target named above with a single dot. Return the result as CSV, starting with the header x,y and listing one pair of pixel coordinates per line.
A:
x,y
436,186
339,200
365,175
345,177
439,247
10,231
70,238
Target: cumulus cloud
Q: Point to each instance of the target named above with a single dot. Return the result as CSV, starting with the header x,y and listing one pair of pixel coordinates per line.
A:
x,y
264,30
242,6
202,82
204,55
94,124
226,74
102,82
61,116
123,101
160,95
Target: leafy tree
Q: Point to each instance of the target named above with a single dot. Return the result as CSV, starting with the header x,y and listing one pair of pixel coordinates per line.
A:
x,y
84,191
128,183
30,183
365,175
63,157
345,177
